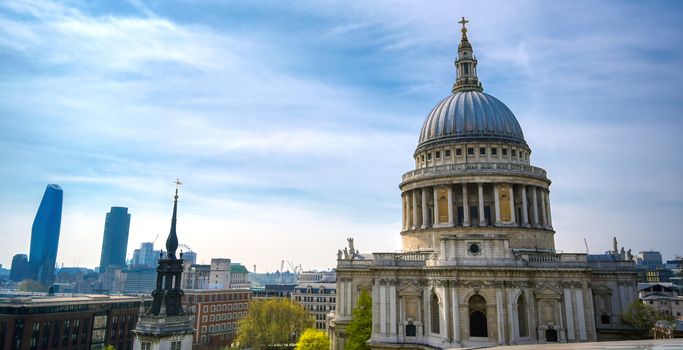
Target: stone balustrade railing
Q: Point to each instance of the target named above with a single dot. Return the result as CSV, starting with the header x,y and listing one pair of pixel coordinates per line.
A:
x,y
474,169
387,259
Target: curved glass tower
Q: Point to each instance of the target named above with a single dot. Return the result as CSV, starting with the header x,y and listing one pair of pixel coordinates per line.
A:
x,y
45,236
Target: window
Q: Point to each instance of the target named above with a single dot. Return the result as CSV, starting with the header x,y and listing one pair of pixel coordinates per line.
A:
x,y
447,153
205,318
429,156
438,154
458,151
211,318
206,308
203,329
175,345
470,151
482,150
145,345
505,151
514,153
494,151
604,319
434,313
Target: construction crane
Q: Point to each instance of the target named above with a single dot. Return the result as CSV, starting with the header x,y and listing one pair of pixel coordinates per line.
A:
x,y
295,269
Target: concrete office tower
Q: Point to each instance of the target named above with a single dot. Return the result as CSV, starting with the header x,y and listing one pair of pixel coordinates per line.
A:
x,y
45,236
19,268
115,240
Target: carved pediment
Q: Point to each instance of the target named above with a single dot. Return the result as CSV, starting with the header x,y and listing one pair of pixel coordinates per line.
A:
x,y
546,292
601,289
409,289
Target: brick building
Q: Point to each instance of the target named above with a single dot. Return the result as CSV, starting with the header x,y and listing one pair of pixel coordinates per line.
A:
x,y
216,313
84,322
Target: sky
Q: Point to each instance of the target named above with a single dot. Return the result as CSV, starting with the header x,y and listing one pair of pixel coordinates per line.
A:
x,y
291,123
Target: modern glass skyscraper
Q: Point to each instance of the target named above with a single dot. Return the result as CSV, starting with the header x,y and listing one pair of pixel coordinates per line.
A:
x,y
45,236
115,240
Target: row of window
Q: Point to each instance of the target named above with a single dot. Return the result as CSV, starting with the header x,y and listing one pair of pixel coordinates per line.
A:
x,y
315,299
218,297
482,151
223,317
309,307
52,333
223,327
224,307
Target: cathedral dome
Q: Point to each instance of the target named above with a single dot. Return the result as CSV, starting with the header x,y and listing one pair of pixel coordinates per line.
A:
x,y
470,115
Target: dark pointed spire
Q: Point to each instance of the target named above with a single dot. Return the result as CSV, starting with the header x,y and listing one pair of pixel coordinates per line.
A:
x,y
172,240
466,65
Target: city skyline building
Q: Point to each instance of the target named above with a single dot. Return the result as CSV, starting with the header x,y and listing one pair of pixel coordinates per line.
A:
x,y
19,268
45,236
145,255
115,238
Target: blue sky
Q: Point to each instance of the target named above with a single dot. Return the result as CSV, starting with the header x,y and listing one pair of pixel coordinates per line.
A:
x,y
292,123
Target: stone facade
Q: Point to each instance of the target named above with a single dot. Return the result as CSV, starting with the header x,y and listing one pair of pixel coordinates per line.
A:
x,y
479,266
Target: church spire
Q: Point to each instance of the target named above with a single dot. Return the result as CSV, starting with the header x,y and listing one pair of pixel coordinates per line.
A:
x,y
466,65
172,240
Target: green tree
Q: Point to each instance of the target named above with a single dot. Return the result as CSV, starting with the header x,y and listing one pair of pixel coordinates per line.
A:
x,y
272,322
313,339
642,318
360,327
30,286
109,347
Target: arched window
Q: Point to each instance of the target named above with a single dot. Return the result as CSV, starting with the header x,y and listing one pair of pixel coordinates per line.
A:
x,y
477,311
521,317
434,313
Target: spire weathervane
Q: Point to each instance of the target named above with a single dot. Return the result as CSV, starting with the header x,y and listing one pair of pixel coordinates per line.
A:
x,y
172,240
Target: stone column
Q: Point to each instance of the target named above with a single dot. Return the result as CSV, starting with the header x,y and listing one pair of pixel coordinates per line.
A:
x,y
415,216
500,318
547,202
392,308
525,210
513,217
383,308
436,208
465,207
455,308
581,314
569,313
405,211
496,203
534,200
450,205
544,218
425,212
482,219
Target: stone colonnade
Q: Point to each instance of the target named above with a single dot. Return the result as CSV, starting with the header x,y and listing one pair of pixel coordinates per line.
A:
x,y
513,315
435,206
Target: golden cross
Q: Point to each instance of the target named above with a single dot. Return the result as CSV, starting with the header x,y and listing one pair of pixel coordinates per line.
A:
x,y
177,183
463,22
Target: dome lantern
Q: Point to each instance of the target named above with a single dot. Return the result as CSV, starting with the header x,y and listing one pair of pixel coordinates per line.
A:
x,y
466,65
